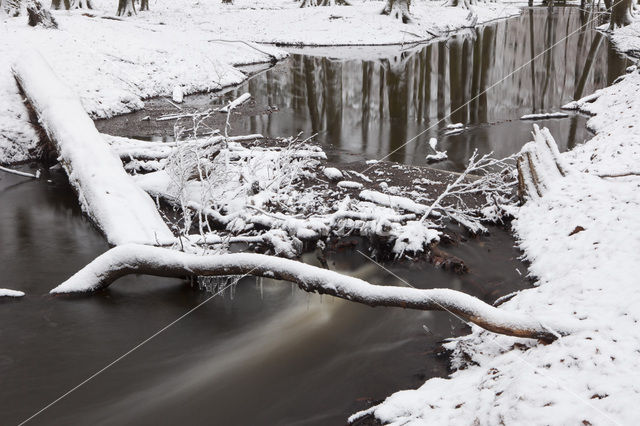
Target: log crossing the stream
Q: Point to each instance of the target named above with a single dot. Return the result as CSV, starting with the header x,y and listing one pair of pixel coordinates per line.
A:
x,y
107,194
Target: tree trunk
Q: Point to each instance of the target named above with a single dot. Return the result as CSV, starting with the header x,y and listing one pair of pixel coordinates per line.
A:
x,y
140,259
71,4
311,3
398,9
126,8
40,15
461,3
621,14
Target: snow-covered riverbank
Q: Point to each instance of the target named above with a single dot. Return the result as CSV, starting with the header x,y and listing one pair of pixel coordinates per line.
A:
x,y
582,238
114,65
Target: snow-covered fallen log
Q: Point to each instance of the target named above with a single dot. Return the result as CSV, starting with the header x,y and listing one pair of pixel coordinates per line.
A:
x,y
140,259
130,149
544,116
106,192
539,164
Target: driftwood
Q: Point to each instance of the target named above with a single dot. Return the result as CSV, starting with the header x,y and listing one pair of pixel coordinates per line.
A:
x,y
123,211
140,259
539,164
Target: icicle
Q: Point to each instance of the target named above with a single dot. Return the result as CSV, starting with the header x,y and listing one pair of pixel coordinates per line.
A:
x,y
219,284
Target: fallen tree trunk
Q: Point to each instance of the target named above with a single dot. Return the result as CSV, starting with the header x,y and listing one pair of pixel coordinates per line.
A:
x,y
139,259
107,194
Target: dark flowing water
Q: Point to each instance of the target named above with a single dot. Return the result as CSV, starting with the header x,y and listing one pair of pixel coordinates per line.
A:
x,y
271,354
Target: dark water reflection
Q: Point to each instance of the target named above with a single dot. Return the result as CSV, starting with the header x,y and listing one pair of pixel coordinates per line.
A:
x,y
372,107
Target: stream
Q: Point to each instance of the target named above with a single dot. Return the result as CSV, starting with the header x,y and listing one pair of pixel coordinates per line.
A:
x,y
266,352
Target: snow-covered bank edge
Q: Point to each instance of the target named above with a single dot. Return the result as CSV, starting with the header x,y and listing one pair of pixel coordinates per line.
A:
x,y
582,240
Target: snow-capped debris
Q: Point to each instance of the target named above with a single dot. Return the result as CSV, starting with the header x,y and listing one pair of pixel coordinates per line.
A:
x,y
433,143
5,292
453,132
371,161
349,184
454,128
414,238
539,165
393,201
631,69
575,105
438,156
332,173
178,95
545,116
236,102
360,175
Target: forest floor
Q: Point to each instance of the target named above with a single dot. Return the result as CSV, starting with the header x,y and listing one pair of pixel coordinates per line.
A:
x,y
115,65
583,241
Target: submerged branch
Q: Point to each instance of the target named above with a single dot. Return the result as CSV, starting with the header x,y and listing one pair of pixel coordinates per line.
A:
x,y
139,259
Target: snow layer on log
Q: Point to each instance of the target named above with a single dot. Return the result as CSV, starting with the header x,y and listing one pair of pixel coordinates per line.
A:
x,y
106,192
139,259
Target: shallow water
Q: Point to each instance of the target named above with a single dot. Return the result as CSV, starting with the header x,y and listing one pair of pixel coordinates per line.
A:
x,y
270,353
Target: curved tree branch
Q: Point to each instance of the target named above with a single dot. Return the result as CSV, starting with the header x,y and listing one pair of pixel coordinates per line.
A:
x,y
140,259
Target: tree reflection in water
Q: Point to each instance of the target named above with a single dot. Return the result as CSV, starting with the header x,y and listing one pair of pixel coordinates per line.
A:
x,y
371,107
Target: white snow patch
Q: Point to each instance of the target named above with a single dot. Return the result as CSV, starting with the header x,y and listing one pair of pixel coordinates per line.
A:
x,y
349,184
332,173
5,292
178,95
438,156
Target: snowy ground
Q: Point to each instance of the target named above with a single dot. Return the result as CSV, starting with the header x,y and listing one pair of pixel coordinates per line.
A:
x,y
115,65
583,240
